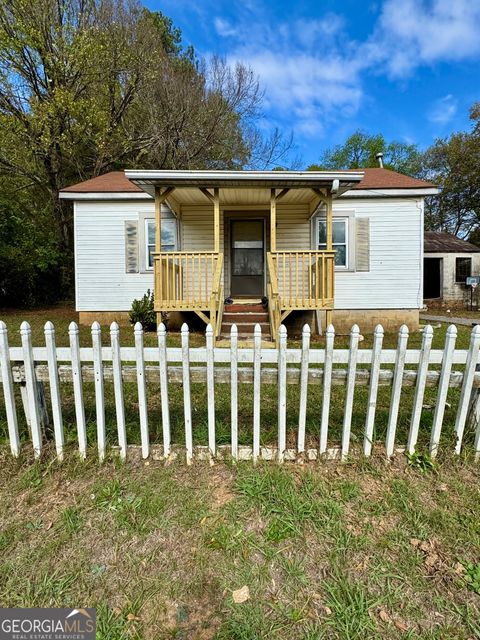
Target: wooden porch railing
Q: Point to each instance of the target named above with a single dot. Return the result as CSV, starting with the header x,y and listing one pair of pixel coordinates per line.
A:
x,y
304,279
190,281
298,280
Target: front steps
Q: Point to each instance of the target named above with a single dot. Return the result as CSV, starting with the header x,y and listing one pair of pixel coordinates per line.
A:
x,y
245,316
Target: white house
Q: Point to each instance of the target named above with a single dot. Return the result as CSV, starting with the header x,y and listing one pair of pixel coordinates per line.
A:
x,y
448,262
341,246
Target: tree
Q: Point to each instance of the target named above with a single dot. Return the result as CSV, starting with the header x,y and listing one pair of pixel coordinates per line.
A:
x,y
87,86
453,164
360,149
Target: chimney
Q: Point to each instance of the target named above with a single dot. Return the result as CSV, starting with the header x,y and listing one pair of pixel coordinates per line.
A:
x,y
379,157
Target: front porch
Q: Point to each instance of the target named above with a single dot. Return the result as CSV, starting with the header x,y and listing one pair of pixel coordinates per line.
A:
x,y
245,234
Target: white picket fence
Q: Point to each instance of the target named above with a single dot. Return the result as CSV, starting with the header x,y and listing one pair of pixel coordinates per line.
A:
x,y
32,367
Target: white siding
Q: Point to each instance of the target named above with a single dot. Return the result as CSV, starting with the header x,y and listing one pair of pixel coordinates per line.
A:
x,y
393,282
396,262
101,281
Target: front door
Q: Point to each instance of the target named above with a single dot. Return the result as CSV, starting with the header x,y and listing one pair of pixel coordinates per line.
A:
x,y
247,258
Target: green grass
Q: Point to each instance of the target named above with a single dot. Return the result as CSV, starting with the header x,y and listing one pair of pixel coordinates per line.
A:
x,y
338,551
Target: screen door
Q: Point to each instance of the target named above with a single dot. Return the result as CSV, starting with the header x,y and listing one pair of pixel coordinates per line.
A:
x,y
247,258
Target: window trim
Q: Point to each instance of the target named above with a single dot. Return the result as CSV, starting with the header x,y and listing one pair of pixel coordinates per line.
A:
x,y
469,258
346,222
149,221
350,215
145,216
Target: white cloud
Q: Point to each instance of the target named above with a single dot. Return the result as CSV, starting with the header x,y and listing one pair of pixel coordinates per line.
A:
x,y
224,28
313,72
443,110
412,33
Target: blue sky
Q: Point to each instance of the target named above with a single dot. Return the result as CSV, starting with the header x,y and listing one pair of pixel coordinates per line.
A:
x,y
409,69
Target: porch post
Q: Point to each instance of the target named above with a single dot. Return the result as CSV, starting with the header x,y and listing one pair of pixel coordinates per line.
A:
x,y
273,221
158,220
329,230
160,197
329,218
157,264
216,220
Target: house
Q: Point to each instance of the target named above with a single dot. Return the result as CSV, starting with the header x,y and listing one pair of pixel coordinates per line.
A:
x,y
448,262
321,246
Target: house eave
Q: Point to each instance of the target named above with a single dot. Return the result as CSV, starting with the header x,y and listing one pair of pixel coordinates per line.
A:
x,y
102,195
150,179
391,193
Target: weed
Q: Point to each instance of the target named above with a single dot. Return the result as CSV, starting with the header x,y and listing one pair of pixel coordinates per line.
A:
x,y
472,576
421,461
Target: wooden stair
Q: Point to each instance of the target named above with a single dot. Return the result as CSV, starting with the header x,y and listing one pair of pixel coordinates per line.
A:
x,y
245,316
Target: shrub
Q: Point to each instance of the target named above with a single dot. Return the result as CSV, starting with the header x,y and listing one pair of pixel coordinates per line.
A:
x,y
142,311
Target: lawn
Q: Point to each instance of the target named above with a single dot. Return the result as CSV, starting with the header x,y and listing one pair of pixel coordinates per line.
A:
x,y
354,551
62,316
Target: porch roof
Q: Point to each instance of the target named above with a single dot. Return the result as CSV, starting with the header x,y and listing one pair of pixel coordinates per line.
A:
x,y
187,183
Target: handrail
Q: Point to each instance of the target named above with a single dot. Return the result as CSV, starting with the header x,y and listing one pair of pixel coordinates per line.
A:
x,y
216,298
274,306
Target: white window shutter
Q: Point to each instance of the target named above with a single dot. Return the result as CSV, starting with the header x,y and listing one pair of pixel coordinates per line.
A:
x,y
131,246
362,244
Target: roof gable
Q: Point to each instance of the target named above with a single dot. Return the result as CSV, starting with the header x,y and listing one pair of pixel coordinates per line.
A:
x,y
112,182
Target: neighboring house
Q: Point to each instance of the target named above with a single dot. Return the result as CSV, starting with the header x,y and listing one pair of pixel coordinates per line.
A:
x,y
325,246
448,262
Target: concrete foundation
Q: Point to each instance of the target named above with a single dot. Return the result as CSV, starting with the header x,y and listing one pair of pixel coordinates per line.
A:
x,y
343,319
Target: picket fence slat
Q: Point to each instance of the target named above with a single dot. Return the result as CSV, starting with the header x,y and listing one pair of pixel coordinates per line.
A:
x,y
163,366
54,381
118,388
373,391
187,407
450,340
210,390
78,388
31,385
234,390
141,390
99,388
467,386
8,392
282,392
347,413
303,367
397,389
327,388
420,388
257,365
302,411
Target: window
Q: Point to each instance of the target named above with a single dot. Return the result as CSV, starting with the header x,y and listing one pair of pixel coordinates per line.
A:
x,y
340,239
463,269
169,239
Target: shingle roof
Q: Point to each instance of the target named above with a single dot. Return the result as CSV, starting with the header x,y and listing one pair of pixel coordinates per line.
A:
x,y
375,178
112,182
443,242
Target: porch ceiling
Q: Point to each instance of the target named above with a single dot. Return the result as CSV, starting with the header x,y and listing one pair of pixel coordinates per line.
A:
x,y
245,187
240,197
